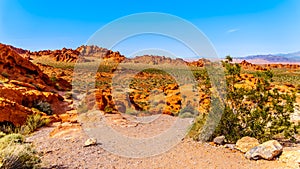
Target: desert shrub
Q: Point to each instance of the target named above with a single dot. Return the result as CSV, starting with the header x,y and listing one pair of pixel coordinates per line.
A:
x,y
259,112
7,127
108,109
2,134
11,138
131,111
4,74
43,106
82,108
188,112
32,123
53,78
15,154
69,95
198,124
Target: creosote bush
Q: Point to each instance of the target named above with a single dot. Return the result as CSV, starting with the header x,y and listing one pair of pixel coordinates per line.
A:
x,y
261,112
43,106
15,154
33,122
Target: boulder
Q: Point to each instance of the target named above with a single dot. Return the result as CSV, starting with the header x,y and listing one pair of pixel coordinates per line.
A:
x,y
267,150
292,155
219,140
246,143
90,142
230,146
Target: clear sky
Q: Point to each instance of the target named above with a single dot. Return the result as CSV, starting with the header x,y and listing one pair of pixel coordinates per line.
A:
x,y
235,27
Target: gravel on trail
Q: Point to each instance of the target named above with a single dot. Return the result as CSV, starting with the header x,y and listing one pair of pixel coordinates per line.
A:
x,y
68,152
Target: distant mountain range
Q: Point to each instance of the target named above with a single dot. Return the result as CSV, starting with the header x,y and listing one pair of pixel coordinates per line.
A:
x,y
290,57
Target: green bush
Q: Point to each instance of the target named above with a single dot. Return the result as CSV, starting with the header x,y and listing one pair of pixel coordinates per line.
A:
x,y
259,112
198,124
2,134
82,108
7,127
4,74
11,138
43,107
188,112
33,122
14,152
18,156
53,79
108,109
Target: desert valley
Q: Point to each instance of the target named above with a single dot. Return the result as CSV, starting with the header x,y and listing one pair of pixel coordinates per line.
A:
x,y
46,97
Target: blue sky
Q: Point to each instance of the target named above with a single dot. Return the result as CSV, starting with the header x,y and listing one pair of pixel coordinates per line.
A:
x,y
234,27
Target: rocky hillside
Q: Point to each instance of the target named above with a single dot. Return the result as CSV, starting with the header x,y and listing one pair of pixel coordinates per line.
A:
x,y
155,60
15,67
71,55
249,66
99,52
199,63
65,55
25,89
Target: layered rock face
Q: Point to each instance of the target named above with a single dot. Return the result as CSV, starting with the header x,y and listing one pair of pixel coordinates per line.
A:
x,y
199,63
15,67
155,60
99,52
249,66
64,55
71,55
22,87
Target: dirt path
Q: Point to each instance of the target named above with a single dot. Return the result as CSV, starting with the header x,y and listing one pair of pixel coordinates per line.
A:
x,y
67,151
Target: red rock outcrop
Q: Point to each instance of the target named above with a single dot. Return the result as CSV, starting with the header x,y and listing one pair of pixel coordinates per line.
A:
x,y
23,85
63,55
23,100
199,63
15,67
287,66
98,52
247,65
155,60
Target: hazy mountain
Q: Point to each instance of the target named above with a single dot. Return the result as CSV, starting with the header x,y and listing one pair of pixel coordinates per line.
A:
x,y
289,57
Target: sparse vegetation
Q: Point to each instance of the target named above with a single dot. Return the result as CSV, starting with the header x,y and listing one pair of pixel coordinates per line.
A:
x,y
33,122
82,108
53,79
43,107
108,109
15,154
4,74
260,112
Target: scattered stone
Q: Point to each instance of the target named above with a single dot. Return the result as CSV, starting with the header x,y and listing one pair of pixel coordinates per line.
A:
x,y
90,142
230,146
246,143
219,140
290,156
268,151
